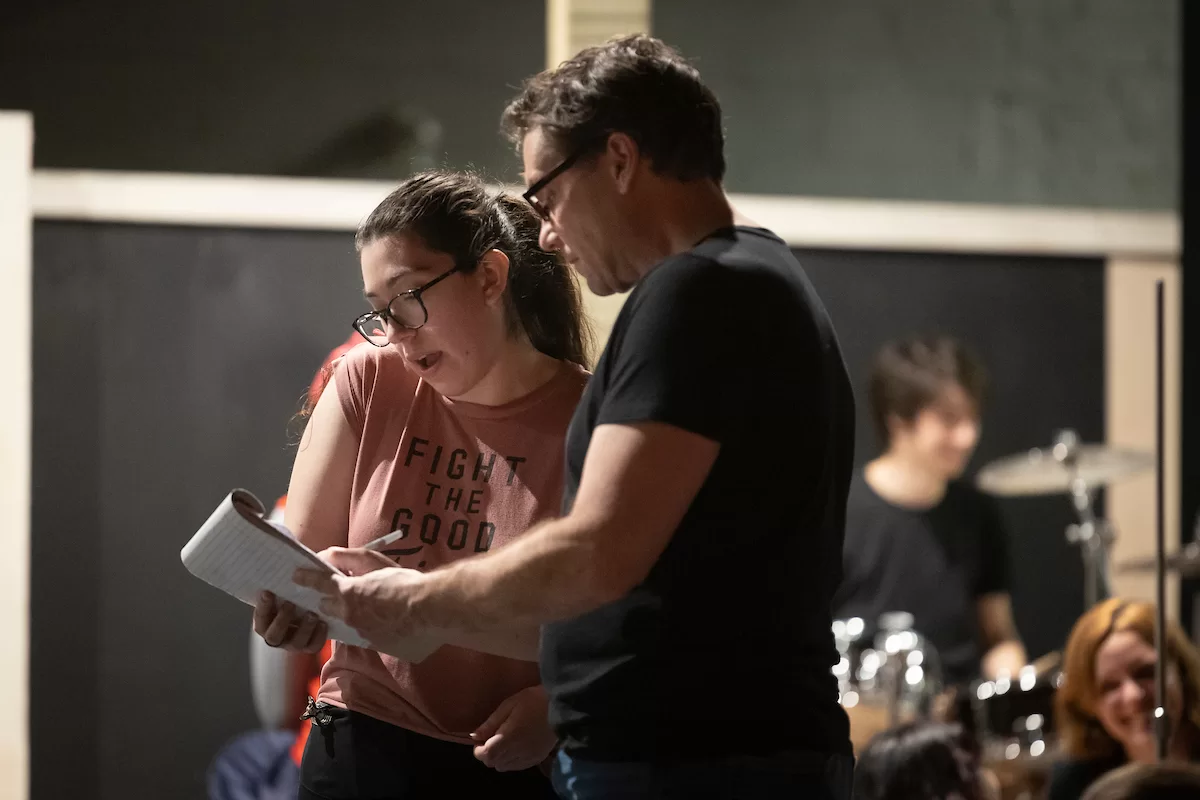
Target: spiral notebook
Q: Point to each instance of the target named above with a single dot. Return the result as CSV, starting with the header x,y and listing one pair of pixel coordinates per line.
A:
x,y
242,554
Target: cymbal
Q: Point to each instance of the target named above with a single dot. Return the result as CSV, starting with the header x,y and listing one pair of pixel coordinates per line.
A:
x,y
1039,472
1186,562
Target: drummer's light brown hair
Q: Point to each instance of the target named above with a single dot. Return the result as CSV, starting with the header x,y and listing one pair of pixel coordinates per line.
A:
x,y
1079,729
909,374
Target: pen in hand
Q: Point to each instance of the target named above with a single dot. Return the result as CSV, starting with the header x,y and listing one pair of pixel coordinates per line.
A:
x,y
385,540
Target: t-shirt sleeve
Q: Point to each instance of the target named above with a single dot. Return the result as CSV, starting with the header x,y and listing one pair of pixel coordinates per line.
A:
x,y
682,351
994,575
354,376
370,377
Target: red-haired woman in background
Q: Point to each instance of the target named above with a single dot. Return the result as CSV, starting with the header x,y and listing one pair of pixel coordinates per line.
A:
x,y
265,764
1105,708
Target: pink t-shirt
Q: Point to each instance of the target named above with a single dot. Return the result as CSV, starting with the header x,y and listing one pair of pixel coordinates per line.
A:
x,y
464,479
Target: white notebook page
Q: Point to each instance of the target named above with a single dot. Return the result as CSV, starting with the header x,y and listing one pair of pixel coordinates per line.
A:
x,y
241,559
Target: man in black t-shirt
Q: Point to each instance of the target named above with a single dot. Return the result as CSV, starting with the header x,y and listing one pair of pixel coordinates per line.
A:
x,y
685,592
917,539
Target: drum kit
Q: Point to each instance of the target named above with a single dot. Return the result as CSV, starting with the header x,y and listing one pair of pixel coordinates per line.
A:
x,y
894,676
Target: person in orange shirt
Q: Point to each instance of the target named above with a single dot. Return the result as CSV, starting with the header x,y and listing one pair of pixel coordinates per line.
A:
x,y
301,676
284,683
264,764
284,680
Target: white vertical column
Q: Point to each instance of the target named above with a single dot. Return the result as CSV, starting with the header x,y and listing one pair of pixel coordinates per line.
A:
x,y
1129,410
16,302
571,26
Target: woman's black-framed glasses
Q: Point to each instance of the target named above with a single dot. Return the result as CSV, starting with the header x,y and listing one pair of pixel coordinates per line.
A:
x,y
406,310
531,194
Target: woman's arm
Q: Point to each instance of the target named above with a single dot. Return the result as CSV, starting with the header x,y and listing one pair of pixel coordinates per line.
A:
x,y
317,512
318,505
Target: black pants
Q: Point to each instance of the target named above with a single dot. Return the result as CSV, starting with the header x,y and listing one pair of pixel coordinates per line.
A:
x,y
352,755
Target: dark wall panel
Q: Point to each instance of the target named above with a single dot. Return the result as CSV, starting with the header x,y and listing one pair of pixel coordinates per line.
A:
x,y
374,88
1040,103
167,365
1038,323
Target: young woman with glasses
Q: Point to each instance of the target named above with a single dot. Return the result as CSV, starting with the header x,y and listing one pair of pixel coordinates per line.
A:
x,y
445,429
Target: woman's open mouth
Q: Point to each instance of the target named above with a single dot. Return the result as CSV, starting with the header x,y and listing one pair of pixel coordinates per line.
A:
x,y
426,362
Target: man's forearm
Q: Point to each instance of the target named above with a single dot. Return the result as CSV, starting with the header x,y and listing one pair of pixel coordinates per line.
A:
x,y
552,572
517,643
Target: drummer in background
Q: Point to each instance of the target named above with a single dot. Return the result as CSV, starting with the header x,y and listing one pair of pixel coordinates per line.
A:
x,y
917,539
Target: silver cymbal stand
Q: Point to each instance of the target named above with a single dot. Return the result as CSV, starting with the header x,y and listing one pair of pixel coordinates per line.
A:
x,y
1092,533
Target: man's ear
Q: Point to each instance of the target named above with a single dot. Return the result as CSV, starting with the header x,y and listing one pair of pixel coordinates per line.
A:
x,y
624,157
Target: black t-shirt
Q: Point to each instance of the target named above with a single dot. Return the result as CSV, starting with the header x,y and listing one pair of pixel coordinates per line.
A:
x,y
726,647
933,563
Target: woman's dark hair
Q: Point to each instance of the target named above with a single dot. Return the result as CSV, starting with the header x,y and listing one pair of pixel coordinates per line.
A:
x,y
636,85
909,374
930,760
455,213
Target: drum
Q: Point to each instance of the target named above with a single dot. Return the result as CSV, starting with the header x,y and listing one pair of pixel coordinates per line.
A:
x,y
887,674
1014,725
1015,718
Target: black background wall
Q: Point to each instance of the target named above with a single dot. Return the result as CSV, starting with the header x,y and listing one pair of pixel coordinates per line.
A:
x,y
167,365
374,88
991,101
168,361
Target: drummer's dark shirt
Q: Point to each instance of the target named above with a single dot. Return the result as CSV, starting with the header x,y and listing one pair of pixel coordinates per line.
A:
x,y
933,563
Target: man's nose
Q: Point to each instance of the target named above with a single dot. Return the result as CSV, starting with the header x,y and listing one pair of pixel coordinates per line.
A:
x,y
548,237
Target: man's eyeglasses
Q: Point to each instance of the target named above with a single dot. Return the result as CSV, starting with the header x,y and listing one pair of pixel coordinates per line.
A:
x,y
406,310
531,194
